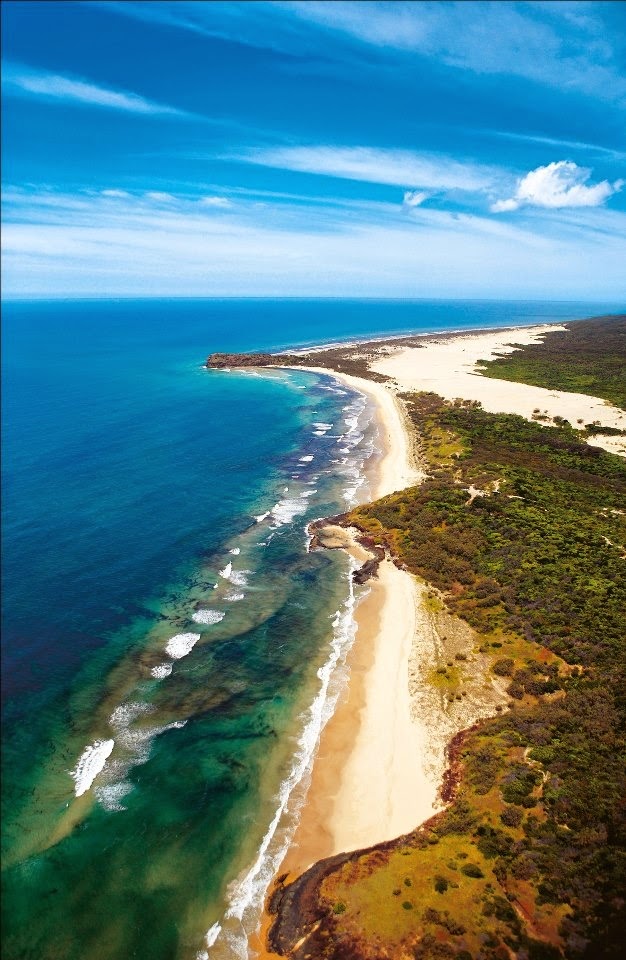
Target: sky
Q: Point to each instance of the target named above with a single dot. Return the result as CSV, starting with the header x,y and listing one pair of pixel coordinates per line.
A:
x,y
346,149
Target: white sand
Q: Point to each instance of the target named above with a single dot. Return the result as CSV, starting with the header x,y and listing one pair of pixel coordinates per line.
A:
x,y
448,368
384,791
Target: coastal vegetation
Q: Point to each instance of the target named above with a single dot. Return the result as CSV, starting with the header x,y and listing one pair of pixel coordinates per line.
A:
x,y
521,529
587,358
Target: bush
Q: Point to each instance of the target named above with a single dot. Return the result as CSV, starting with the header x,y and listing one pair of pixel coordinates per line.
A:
x,y
339,907
511,816
472,870
441,884
503,667
515,690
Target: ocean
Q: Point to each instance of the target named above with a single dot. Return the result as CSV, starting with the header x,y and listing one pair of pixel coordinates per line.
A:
x,y
171,649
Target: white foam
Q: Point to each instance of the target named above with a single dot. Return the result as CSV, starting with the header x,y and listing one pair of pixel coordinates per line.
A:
x,y
90,763
161,671
176,725
209,938
208,616
111,795
323,426
124,715
136,740
306,459
262,516
235,551
227,570
233,596
239,577
287,510
135,744
182,644
248,894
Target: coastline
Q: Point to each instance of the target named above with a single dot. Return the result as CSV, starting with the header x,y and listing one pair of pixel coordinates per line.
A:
x,y
396,466
381,758
365,785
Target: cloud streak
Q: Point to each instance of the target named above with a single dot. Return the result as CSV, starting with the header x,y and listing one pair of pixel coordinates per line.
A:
x,y
400,168
24,81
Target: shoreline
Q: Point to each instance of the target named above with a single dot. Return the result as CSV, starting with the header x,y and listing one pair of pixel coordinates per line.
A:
x,y
396,466
426,336
366,786
337,812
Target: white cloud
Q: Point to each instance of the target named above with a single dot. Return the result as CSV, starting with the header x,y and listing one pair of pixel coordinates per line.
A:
x,y
413,198
557,185
159,196
400,168
55,244
501,206
222,202
54,86
116,194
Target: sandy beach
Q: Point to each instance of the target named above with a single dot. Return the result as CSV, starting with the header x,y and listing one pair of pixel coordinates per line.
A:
x,y
448,367
381,755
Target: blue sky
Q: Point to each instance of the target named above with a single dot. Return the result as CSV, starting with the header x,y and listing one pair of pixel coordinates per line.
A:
x,y
314,148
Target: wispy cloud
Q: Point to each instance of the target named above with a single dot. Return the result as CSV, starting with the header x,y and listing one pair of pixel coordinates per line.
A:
x,y
220,202
92,244
400,168
563,45
159,196
558,185
593,148
115,194
572,52
24,81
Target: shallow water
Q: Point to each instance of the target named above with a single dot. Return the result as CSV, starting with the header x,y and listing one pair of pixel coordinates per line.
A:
x,y
170,646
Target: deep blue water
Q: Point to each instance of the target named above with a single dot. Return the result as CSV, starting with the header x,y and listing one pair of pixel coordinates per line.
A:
x,y
129,473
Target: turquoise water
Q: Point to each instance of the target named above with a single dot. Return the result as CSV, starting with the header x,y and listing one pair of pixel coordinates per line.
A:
x,y
168,657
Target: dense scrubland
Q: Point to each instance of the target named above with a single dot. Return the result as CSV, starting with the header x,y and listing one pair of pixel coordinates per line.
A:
x,y
588,358
521,531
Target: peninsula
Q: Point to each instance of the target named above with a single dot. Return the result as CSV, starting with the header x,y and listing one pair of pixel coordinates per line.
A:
x,y
465,798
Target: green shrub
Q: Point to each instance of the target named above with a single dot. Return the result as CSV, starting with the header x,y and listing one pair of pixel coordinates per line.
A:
x,y
503,667
511,816
441,884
